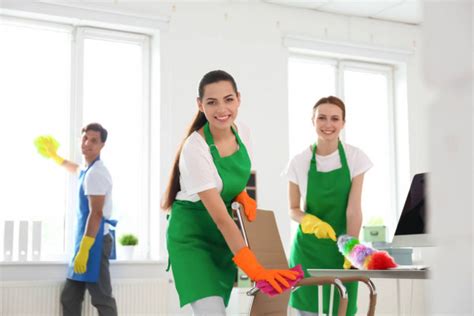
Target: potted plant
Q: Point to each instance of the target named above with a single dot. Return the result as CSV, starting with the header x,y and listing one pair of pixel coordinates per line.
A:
x,y
128,242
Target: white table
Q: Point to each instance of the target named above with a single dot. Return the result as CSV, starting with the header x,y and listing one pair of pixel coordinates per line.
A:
x,y
399,273
373,274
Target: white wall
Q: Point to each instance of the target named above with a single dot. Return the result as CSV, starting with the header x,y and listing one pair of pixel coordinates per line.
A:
x,y
246,40
449,70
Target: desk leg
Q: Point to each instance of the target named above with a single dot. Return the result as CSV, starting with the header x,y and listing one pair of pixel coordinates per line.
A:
x,y
398,298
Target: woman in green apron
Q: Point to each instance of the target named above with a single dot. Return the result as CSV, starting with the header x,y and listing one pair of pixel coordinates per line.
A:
x,y
328,177
210,171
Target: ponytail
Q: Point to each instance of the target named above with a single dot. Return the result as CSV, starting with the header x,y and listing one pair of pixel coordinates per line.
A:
x,y
173,186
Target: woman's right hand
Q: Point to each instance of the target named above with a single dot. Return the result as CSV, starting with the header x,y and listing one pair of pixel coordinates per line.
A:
x,y
310,224
246,260
276,278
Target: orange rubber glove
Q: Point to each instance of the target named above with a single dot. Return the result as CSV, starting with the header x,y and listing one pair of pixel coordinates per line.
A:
x,y
249,205
245,259
310,224
82,256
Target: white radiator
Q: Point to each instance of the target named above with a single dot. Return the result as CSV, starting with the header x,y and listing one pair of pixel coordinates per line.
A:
x,y
134,298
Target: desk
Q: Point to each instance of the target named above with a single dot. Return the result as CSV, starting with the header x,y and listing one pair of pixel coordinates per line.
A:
x,y
377,274
373,274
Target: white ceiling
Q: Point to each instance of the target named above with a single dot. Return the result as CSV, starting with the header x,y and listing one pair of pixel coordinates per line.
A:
x,y
404,11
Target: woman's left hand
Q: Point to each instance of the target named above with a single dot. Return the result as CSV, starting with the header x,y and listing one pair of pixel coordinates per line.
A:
x,y
249,205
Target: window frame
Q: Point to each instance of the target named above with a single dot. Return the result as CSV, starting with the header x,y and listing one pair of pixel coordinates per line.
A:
x,y
342,63
82,33
388,71
149,42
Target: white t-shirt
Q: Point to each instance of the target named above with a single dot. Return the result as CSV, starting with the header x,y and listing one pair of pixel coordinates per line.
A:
x,y
99,182
298,167
197,170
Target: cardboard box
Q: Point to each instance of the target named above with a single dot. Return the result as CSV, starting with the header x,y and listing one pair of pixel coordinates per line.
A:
x,y
374,233
402,256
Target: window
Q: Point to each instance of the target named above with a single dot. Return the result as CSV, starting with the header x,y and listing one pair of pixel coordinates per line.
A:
x,y
367,90
55,79
309,80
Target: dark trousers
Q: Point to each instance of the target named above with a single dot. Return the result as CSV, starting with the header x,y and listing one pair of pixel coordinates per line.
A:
x,y
72,294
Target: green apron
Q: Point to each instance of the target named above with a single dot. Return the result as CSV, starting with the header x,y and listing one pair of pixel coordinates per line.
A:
x,y
326,197
200,258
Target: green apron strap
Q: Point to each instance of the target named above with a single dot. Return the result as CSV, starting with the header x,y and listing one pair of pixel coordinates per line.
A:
x,y
210,141
313,165
342,156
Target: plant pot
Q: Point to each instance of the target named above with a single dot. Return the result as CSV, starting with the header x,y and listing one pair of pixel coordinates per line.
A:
x,y
127,252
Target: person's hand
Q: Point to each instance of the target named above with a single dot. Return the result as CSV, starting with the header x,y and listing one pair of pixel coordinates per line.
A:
x,y
266,288
347,264
310,224
249,205
276,278
82,256
246,260
47,147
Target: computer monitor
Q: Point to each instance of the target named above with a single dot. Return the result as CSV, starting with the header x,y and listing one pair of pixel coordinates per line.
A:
x,y
413,222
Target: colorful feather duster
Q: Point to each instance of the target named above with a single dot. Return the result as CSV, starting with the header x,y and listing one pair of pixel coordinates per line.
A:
x,y
364,257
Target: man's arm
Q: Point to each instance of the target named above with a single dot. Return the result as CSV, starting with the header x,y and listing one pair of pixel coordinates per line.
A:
x,y
70,166
96,206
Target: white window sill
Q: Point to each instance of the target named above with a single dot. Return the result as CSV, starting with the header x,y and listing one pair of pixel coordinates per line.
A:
x,y
64,262
56,270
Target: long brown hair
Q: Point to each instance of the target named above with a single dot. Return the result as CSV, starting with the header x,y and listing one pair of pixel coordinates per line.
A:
x,y
198,122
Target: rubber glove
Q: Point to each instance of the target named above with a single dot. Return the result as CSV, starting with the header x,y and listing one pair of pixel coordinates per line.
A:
x,y
80,261
266,288
347,264
246,260
249,205
47,147
310,224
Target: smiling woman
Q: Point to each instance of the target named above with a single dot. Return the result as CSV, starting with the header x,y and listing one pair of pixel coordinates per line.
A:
x,y
211,171
327,176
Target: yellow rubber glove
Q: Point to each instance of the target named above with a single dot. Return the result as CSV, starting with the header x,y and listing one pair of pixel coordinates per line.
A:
x,y
82,256
47,147
347,264
310,224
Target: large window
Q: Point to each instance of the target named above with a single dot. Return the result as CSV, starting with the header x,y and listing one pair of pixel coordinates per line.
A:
x,y
56,79
367,90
